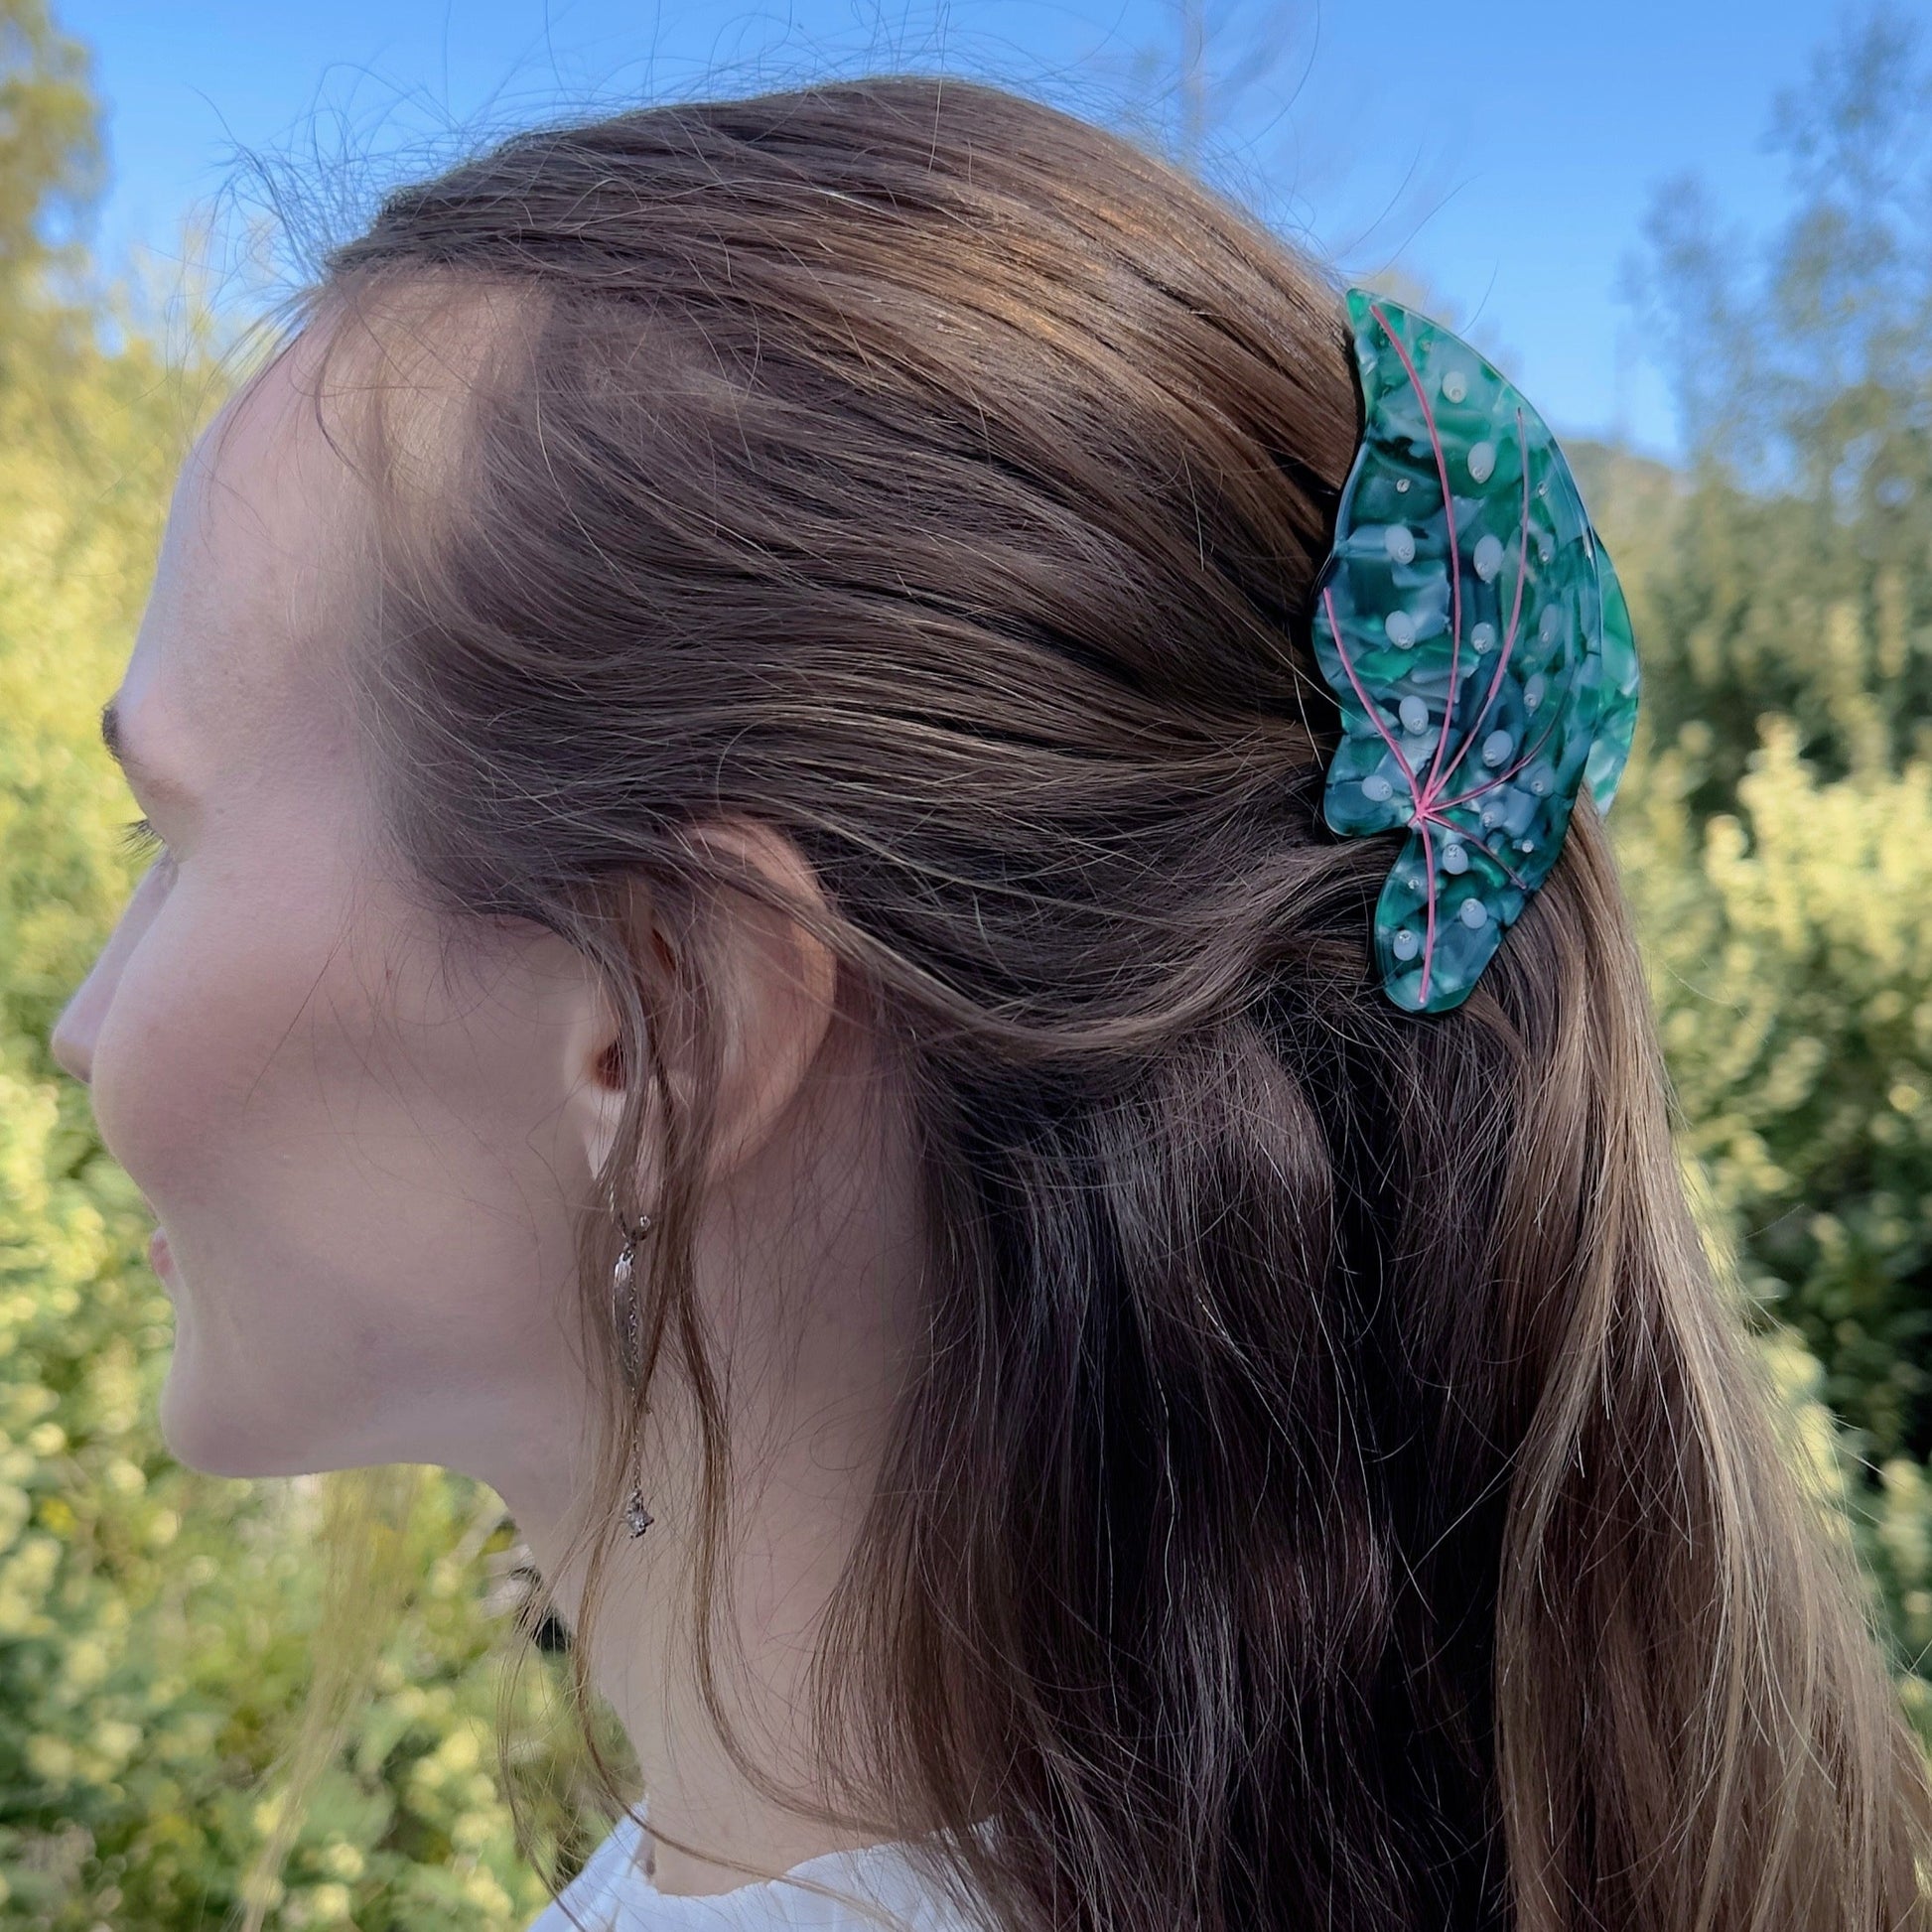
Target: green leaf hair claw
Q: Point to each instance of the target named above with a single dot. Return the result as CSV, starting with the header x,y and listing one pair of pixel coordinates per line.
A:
x,y
1470,623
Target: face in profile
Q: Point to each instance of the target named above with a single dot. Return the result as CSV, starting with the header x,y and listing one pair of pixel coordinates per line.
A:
x,y
363,1138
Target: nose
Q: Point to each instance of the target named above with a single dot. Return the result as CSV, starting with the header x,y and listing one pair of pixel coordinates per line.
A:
x,y
79,1027
72,1041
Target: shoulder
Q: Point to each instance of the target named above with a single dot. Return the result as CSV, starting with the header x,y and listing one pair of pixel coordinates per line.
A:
x,y
592,1898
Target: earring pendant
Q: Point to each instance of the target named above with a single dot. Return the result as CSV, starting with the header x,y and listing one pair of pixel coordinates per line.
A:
x,y
624,1299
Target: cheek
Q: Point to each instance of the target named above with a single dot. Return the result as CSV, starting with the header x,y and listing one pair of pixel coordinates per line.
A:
x,y
358,1166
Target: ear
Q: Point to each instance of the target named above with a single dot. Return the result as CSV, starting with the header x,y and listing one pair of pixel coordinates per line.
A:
x,y
780,984
775,1005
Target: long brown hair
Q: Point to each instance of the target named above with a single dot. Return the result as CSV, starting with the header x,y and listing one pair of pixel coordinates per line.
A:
x,y
1336,1492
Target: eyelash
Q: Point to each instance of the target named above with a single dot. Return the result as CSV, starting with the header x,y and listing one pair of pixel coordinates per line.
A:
x,y
140,840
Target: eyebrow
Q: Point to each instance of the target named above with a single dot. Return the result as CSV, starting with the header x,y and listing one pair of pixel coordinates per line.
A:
x,y
131,764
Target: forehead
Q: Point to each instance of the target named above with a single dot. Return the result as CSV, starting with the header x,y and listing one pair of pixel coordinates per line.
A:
x,y
256,586
348,444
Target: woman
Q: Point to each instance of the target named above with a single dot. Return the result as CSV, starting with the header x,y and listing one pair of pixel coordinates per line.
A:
x,y
748,949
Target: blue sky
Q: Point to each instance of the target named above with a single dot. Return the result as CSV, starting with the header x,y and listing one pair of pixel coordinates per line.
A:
x,y
1503,151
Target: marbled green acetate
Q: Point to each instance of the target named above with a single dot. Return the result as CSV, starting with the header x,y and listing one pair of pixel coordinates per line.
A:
x,y
1471,625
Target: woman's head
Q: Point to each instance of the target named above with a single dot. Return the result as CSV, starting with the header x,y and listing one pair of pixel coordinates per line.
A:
x,y
762,676
372,1129
336,1146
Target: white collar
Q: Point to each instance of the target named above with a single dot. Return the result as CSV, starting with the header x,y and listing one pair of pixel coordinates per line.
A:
x,y
879,1889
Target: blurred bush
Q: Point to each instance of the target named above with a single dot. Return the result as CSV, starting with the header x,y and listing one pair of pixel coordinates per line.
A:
x,y
157,1628
1777,834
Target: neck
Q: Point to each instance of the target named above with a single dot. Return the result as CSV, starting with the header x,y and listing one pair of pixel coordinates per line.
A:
x,y
805,1467
712,1828
811,1338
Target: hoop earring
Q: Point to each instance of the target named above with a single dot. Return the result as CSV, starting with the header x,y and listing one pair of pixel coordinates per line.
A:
x,y
626,1319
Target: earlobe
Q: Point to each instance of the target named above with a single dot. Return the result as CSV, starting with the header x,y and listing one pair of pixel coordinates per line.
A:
x,y
608,1069
598,1096
598,1076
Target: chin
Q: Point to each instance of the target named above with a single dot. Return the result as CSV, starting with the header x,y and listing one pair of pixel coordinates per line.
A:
x,y
210,1424
216,1445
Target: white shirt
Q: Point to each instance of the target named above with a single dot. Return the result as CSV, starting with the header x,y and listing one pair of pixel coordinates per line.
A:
x,y
612,1894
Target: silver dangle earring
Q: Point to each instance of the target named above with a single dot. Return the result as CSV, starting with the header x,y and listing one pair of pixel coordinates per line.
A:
x,y
624,1316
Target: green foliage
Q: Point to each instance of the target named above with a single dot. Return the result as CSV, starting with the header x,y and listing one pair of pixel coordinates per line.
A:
x,y
1796,579
1787,942
1777,837
157,1627
49,142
